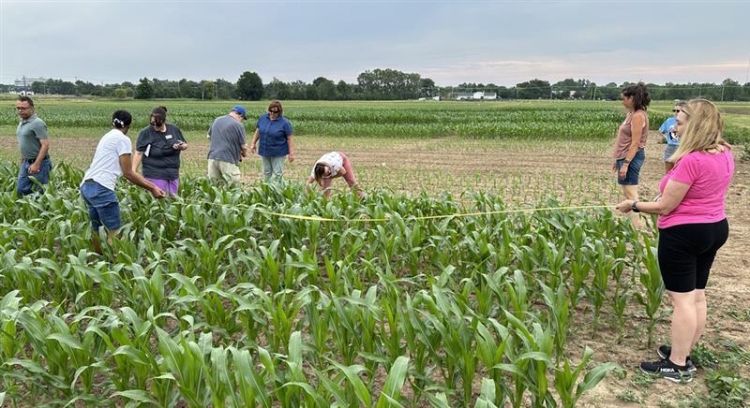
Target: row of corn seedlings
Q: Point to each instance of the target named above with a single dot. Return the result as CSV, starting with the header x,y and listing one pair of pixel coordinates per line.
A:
x,y
209,299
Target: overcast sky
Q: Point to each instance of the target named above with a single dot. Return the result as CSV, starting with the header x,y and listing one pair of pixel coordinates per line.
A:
x,y
503,42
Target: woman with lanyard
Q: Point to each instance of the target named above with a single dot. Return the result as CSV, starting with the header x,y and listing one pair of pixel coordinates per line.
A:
x,y
158,147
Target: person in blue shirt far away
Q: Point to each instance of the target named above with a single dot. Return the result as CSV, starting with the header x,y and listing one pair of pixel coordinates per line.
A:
x,y
669,130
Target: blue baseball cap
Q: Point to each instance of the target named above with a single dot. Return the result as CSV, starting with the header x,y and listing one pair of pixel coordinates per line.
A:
x,y
240,111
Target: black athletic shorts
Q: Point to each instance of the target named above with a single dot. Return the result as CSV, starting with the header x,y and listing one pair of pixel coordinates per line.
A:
x,y
686,253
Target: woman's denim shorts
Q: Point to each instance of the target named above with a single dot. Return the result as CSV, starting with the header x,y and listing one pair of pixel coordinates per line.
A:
x,y
104,209
634,169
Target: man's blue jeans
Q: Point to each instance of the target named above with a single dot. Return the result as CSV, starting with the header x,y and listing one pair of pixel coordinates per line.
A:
x,y
25,185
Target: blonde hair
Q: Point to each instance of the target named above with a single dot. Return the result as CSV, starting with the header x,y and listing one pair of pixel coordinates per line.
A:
x,y
703,129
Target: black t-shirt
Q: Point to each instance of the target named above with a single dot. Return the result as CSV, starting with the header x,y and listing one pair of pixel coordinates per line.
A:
x,y
160,160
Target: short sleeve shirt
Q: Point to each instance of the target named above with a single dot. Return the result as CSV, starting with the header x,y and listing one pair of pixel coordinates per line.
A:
x,y
105,167
274,136
708,176
227,138
29,133
160,160
332,159
668,129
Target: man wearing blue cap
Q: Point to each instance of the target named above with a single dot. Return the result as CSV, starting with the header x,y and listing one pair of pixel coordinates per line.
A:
x,y
227,146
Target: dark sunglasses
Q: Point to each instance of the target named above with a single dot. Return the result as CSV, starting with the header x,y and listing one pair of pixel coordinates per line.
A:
x,y
273,110
675,110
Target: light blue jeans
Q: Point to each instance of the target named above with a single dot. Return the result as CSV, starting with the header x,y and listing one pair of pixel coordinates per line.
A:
x,y
273,168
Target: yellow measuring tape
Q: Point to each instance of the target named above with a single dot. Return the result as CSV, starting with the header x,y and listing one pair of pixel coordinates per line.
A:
x,y
429,217
424,217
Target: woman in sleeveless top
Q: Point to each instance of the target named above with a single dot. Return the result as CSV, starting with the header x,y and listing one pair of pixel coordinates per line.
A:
x,y
629,152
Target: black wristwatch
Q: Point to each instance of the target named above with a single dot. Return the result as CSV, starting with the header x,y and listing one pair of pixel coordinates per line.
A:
x,y
634,208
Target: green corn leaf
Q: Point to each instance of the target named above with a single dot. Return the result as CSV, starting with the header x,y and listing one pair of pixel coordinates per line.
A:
x,y
136,395
247,376
535,355
593,377
486,394
352,374
393,383
66,340
309,390
133,354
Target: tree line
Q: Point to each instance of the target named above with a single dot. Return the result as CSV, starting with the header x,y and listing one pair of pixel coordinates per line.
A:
x,y
377,84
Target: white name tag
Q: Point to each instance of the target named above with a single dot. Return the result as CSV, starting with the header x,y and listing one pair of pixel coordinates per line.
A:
x,y
168,137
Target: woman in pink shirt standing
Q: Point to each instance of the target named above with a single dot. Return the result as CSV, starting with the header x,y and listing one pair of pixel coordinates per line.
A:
x,y
629,152
692,227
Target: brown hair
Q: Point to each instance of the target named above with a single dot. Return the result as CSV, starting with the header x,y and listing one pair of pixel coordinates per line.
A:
x,y
277,104
641,98
320,171
24,98
159,114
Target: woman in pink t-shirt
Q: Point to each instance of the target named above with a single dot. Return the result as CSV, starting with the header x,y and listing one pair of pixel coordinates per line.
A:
x,y
692,227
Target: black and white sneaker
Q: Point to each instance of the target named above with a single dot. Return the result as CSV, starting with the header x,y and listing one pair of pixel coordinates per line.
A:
x,y
664,352
667,370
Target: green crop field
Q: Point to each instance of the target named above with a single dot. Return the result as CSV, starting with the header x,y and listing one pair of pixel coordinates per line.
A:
x,y
569,120
408,298
211,300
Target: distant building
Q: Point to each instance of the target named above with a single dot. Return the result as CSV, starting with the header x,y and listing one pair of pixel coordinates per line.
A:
x,y
22,93
475,96
23,85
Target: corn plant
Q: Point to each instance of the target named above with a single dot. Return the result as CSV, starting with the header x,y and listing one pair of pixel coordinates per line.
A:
x,y
569,384
390,394
211,300
653,286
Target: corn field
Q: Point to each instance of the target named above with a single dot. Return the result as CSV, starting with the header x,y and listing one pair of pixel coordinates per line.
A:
x,y
210,300
519,120
524,120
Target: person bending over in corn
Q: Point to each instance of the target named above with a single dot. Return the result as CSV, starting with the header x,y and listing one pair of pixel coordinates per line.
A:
x,y
111,161
330,166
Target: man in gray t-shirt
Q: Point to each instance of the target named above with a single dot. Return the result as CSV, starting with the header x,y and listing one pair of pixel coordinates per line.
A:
x,y
33,142
228,146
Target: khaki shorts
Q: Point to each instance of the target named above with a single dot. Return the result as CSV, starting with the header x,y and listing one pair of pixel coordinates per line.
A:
x,y
222,171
